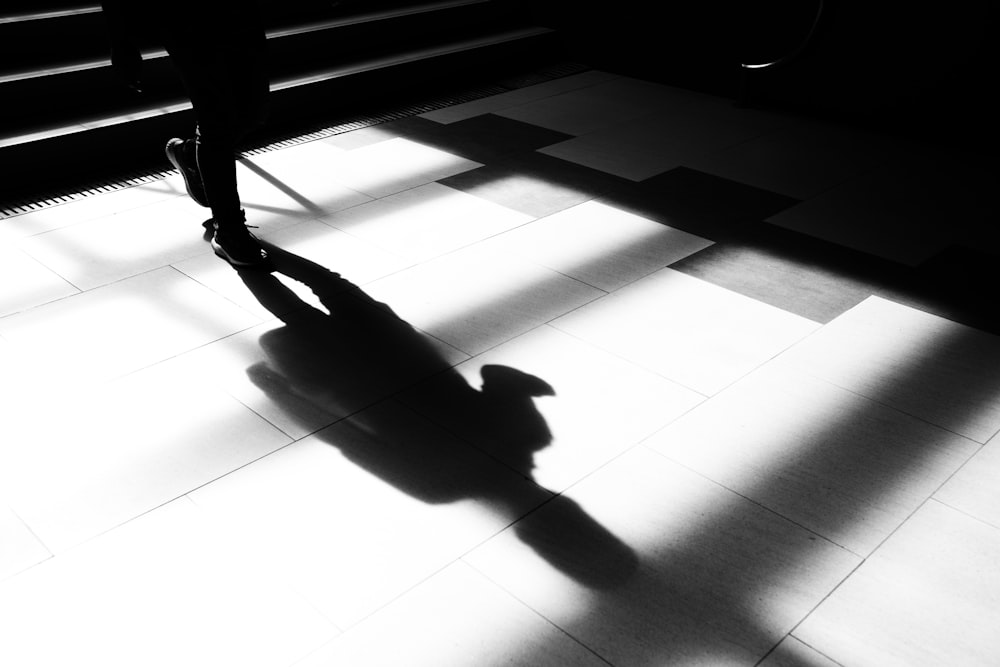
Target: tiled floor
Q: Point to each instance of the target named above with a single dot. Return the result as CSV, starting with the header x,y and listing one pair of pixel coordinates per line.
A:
x,y
592,372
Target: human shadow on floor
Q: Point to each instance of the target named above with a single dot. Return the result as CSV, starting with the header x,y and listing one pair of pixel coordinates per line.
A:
x,y
324,366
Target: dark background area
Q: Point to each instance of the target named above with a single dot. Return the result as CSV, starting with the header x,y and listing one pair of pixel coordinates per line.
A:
x,y
922,69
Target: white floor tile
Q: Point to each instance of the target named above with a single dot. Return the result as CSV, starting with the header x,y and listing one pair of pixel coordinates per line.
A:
x,y
550,406
97,252
388,167
359,513
89,208
927,597
846,467
924,365
294,183
476,298
973,488
318,368
699,335
316,249
455,619
163,591
646,563
119,328
21,549
426,221
637,468
122,449
601,245
27,283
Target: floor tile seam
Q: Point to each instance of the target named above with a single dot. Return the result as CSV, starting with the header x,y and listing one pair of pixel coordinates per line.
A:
x,y
874,554
792,633
881,402
23,570
757,503
527,605
399,399
4,314
643,445
618,356
774,357
24,524
165,361
270,318
520,473
411,261
423,579
390,396
79,289
277,578
977,448
181,274
108,380
17,242
395,398
125,185
85,290
62,554
978,519
455,251
552,324
781,361
929,500
188,500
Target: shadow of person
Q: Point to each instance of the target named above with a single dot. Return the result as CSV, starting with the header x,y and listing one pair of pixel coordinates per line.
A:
x,y
324,366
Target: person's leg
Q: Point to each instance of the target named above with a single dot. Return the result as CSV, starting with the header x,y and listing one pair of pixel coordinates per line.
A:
x,y
221,58
126,58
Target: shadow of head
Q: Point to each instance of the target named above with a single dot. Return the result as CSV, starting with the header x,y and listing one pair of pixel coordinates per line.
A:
x,y
447,441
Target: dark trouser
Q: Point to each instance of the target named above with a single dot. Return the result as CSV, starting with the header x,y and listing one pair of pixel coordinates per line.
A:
x,y
219,49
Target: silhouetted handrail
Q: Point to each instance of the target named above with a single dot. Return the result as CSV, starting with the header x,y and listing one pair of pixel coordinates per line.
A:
x,y
794,53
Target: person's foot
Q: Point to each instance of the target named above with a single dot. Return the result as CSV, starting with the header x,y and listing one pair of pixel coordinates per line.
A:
x,y
181,155
236,245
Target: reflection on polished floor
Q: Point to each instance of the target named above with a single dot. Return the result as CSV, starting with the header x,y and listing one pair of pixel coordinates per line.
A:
x,y
595,371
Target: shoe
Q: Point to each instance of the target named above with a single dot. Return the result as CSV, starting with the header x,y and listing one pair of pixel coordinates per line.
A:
x,y
185,163
239,247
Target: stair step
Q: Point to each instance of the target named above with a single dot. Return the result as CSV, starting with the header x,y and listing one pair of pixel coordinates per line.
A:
x,y
325,74
324,57
322,44
27,40
133,133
